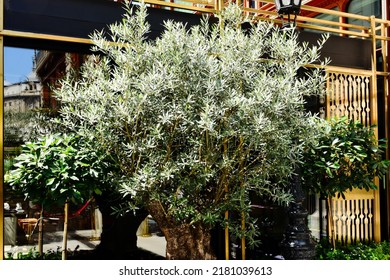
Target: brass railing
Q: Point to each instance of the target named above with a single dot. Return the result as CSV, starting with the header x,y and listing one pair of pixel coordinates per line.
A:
x,y
265,10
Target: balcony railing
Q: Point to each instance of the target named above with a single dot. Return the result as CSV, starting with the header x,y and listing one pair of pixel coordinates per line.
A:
x,y
265,10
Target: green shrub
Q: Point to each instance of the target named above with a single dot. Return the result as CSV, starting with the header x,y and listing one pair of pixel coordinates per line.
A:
x,y
359,251
33,254
347,156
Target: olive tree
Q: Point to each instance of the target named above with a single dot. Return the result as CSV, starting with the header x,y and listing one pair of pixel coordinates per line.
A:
x,y
198,120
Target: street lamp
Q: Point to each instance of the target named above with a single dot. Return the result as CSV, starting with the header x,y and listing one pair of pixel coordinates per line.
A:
x,y
288,7
297,243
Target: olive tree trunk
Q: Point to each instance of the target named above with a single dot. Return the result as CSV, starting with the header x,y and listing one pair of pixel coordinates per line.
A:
x,y
184,241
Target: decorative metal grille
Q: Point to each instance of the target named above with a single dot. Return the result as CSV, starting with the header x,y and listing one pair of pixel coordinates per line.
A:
x,y
349,95
353,218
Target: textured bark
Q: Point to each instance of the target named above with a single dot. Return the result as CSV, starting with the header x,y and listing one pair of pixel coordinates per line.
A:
x,y
188,242
184,241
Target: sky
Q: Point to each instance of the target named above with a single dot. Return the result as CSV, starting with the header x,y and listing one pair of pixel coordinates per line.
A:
x,y
17,64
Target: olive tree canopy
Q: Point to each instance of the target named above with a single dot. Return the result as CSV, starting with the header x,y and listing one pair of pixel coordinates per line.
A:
x,y
198,120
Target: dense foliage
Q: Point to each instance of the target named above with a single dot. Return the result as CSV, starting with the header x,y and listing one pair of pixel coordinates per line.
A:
x,y
360,251
33,254
57,168
201,117
347,155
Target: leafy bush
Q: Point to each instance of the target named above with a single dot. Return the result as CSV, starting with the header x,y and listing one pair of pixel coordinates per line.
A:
x,y
33,254
347,156
57,168
360,251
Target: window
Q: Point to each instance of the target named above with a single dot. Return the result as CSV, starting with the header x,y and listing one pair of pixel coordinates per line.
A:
x,y
365,8
328,17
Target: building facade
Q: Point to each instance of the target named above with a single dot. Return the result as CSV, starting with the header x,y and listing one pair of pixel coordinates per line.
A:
x,y
24,96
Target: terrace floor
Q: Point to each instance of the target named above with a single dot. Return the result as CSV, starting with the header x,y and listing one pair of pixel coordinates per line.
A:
x,y
86,240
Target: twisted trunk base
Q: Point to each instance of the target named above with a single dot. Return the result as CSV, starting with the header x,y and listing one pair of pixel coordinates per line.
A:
x,y
184,241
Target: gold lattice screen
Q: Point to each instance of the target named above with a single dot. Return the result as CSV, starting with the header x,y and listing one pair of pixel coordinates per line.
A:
x,y
349,95
353,218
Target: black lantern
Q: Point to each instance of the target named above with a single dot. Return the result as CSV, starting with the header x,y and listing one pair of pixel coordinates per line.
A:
x,y
288,7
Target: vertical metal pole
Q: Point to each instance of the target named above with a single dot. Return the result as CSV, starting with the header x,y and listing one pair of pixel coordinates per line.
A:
x,y
386,82
1,131
374,120
219,11
385,61
221,6
387,115
243,239
227,240
327,99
